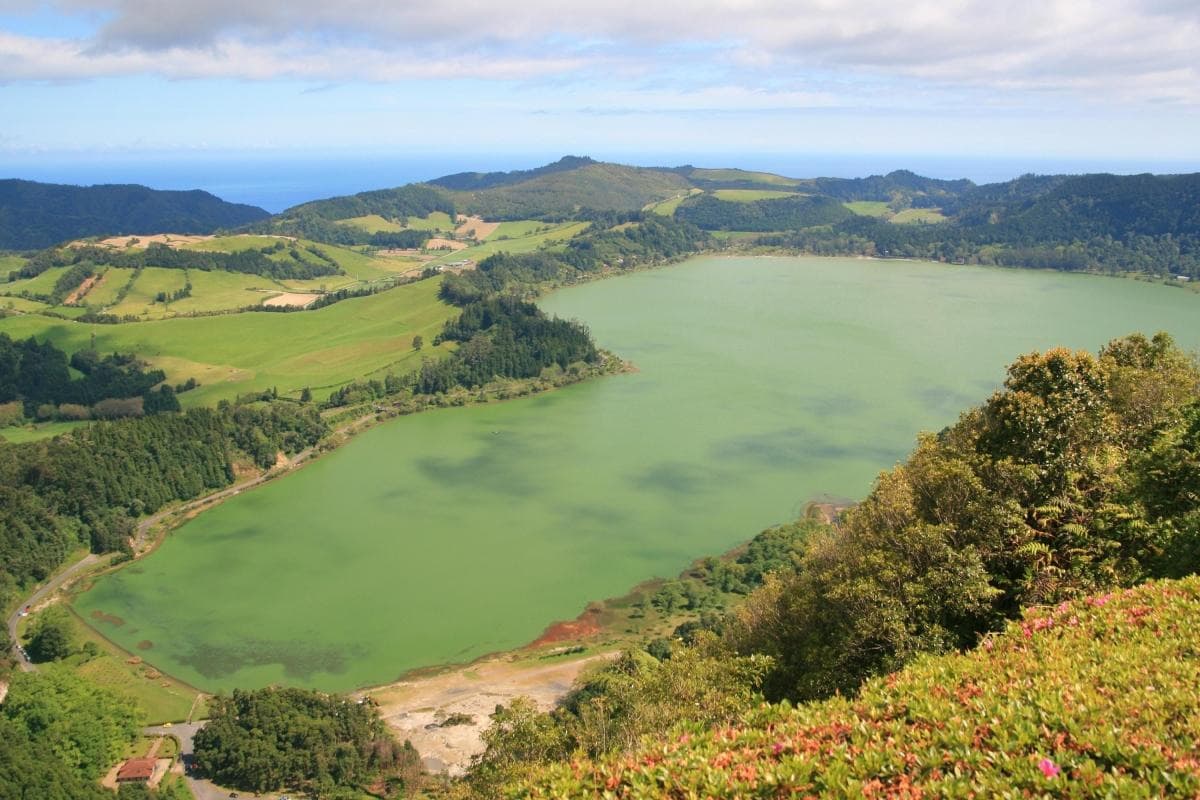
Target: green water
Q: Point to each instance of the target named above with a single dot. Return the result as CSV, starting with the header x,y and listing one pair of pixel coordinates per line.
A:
x,y
444,536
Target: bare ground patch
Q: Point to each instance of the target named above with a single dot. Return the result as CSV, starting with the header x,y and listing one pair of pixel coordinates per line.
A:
x,y
415,709
81,291
144,241
292,299
475,227
445,244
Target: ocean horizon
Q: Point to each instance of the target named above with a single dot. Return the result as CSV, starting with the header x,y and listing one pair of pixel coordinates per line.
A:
x,y
279,180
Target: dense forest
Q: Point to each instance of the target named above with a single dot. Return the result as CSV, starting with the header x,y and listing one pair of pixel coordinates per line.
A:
x,y
35,215
1080,476
1139,223
38,375
779,214
323,745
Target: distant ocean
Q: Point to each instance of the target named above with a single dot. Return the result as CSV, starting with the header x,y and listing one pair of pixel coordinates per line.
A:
x,y
280,180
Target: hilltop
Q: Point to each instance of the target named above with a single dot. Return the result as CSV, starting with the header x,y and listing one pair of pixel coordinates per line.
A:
x,y
35,215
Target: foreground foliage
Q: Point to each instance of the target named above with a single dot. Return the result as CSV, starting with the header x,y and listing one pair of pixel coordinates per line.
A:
x,y
1091,698
269,739
58,735
1079,475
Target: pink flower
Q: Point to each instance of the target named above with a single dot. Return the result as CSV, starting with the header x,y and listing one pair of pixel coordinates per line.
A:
x,y
1048,768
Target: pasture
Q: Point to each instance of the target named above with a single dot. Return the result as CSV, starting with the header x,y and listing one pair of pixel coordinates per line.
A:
x,y
238,353
869,208
750,195
741,175
911,215
525,244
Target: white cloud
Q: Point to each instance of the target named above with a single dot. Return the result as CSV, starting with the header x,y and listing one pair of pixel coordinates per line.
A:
x,y
1100,49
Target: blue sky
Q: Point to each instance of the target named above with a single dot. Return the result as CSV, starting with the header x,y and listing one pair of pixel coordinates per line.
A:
x,y
1088,79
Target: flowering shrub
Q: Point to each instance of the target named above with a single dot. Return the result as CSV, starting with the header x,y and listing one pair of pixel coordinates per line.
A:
x,y
1098,697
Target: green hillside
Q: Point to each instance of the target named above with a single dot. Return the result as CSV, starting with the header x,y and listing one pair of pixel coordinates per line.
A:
x,y
34,215
1092,698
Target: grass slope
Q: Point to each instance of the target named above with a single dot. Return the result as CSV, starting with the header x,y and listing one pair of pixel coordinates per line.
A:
x,y
603,187
1095,698
749,195
238,353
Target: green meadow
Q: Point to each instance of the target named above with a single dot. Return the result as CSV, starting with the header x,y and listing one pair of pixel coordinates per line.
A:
x,y
372,223
443,536
869,208
524,244
910,215
744,176
39,284
41,430
749,195
105,292
237,353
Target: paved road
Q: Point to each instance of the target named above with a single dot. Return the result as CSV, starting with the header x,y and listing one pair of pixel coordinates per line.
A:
x,y
52,586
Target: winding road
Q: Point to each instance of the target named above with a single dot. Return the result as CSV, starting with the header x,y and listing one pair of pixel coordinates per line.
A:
x,y
45,591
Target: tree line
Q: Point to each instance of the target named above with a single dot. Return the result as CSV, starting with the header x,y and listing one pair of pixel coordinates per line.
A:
x,y
37,375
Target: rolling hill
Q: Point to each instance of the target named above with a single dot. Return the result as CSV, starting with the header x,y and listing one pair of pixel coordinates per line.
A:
x,y
36,215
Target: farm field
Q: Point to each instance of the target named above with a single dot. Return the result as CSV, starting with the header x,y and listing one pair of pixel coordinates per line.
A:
x,y
21,304
525,244
106,290
8,263
39,284
238,353
750,195
436,221
743,175
869,208
139,301
372,223
36,432
911,215
475,528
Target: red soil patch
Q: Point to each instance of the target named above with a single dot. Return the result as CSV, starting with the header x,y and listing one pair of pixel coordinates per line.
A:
x,y
587,624
82,290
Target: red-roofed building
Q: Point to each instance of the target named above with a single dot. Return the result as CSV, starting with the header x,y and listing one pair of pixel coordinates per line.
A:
x,y
136,769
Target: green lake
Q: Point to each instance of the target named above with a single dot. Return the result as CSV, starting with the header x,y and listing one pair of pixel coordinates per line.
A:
x,y
762,384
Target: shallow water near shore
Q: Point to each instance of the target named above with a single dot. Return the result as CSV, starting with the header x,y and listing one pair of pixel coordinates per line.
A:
x,y
762,383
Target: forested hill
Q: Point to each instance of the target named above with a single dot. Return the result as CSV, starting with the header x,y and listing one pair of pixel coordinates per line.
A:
x,y
36,215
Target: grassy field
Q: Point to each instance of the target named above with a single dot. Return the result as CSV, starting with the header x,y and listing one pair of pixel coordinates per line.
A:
x,y
161,698
40,284
869,208
41,430
911,215
105,292
372,223
238,353
22,304
7,264
727,235
749,195
525,244
743,175
234,244
437,221
520,229
139,302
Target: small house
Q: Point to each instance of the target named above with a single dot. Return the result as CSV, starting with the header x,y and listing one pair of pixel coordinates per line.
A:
x,y
136,770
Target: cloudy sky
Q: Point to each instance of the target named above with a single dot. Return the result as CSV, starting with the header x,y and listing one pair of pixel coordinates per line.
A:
x,y
1099,79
